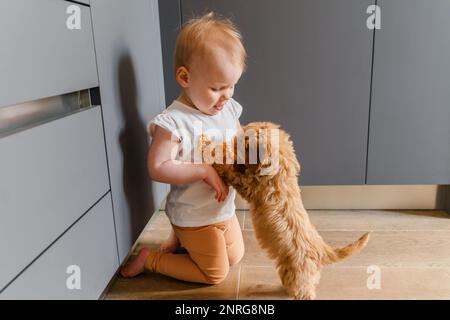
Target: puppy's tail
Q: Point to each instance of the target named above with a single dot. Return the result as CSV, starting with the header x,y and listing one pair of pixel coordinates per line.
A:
x,y
337,254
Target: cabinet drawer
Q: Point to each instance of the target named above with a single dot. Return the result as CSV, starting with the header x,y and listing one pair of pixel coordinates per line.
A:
x,y
40,56
84,1
50,176
89,246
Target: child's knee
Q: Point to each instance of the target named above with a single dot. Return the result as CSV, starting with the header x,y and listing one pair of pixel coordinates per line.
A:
x,y
217,275
236,256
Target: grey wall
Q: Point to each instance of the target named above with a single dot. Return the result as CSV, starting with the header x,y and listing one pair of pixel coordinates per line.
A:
x,y
170,22
128,49
309,69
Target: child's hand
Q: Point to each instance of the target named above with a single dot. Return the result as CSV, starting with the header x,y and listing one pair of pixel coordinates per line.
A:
x,y
213,179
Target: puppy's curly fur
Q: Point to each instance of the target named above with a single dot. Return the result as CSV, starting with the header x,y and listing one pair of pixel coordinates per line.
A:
x,y
280,221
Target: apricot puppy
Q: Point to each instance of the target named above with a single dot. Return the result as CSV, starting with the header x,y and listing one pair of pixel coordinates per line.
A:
x,y
260,163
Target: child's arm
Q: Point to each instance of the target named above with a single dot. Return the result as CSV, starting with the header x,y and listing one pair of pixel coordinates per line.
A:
x,y
161,166
164,169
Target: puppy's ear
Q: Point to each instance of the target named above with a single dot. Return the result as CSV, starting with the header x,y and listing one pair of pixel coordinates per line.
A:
x,y
264,146
269,149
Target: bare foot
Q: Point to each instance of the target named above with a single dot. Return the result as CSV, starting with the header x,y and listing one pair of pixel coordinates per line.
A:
x,y
137,266
171,243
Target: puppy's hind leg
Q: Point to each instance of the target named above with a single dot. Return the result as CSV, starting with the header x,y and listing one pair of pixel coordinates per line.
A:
x,y
299,282
306,287
298,285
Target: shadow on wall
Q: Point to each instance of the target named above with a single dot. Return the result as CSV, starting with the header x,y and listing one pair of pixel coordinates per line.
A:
x,y
134,144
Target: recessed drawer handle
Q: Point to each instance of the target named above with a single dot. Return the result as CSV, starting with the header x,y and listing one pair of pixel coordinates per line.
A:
x,y
29,114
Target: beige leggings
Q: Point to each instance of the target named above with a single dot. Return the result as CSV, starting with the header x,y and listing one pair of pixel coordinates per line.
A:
x,y
212,249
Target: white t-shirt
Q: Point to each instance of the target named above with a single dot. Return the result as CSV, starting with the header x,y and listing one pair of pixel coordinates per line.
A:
x,y
192,205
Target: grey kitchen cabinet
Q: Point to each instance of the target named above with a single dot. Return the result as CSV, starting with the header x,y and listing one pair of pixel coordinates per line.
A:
x,y
54,186
50,175
78,265
309,69
410,114
53,164
128,48
40,57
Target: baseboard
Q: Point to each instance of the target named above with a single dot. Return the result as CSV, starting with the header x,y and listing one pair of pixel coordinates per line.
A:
x,y
372,197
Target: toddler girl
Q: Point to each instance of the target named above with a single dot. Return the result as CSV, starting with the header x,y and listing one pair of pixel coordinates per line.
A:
x,y
209,60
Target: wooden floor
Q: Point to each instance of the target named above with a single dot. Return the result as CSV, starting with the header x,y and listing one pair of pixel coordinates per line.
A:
x,y
411,250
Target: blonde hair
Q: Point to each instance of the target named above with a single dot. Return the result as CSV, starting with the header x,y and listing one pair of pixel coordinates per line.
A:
x,y
193,39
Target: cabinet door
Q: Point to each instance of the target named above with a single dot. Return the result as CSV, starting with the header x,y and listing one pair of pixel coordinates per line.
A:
x,y
309,69
78,265
410,114
39,55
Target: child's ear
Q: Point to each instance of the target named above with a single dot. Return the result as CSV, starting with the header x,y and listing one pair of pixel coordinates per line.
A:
x,y
182,76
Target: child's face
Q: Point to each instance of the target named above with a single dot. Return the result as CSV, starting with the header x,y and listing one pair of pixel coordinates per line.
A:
x,y
211,80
